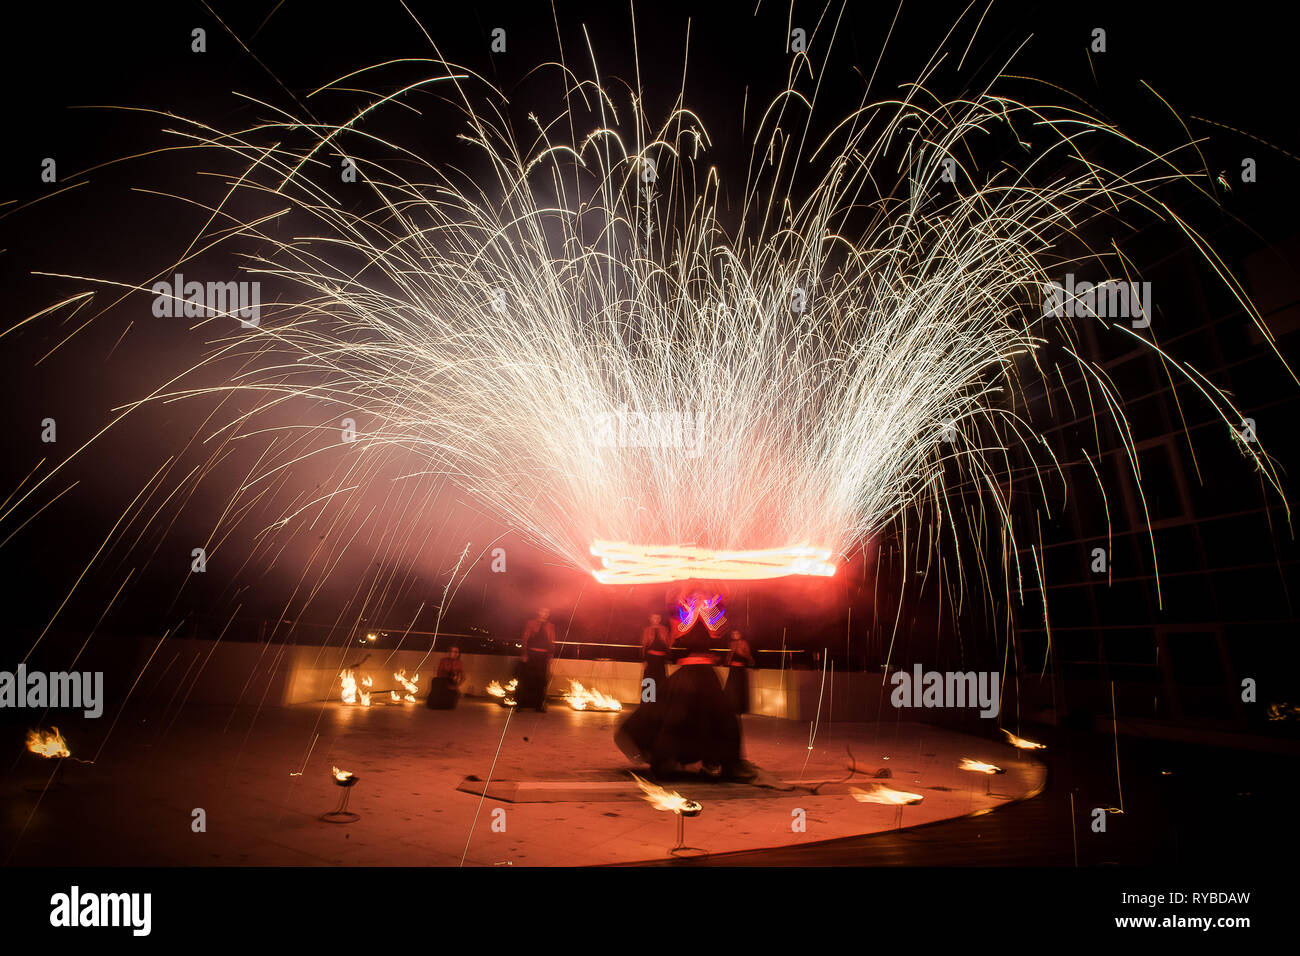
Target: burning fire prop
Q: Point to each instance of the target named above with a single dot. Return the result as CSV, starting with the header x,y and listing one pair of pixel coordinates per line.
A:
x,y
979,766
633,564
580,698
672,802
347,780
411,686
351,693
1020,743
504,695
48,744
886,795
889,797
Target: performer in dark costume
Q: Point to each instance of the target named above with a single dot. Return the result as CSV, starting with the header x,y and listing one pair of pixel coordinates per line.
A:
x,y
535,669
445,690
691,722
654,651
740,658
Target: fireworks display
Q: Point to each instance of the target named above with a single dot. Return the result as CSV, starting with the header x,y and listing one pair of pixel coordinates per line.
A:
x,y
845,345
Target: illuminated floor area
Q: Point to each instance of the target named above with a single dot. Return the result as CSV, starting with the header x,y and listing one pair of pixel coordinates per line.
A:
x,y
136,805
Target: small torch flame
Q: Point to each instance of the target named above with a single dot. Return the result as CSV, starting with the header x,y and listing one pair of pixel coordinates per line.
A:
x,y
978,766
49,744
669,800
349,687
1020,743
886,795
341,775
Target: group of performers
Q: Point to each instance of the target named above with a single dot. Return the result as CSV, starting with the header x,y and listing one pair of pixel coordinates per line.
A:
x,y
688,717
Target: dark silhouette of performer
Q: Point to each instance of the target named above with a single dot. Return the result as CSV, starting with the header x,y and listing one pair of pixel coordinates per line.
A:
x,y
740,658
444,692
691,721
655,648
535,660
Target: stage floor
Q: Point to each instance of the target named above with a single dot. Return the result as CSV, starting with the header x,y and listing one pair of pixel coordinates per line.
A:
x,y
262,778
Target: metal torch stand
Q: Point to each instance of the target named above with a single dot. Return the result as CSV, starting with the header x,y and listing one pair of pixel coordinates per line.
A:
x,y
681,850
342,814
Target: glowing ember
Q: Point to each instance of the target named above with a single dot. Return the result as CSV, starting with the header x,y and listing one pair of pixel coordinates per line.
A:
x,y
652,564
342,775
504,694
978,766
412,686
47,744
580,698
1020,743
662,799
886,795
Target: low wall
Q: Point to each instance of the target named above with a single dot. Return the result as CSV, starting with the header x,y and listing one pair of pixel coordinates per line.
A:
x,y
174,671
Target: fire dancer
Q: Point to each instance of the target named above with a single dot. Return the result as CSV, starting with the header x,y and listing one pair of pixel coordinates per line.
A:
x,y
445,690
535,660
740,658
655,648
692,721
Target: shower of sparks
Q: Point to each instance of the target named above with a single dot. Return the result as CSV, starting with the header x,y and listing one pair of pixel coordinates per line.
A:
x,y
574,327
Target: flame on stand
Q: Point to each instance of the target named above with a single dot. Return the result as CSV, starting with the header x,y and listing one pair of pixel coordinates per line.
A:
x,y
1020,743
886,795
504,694
412,686
978,766
342,775
579,698
48,744
662,799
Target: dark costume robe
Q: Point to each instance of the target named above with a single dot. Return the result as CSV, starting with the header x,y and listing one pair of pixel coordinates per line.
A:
x,y
655,650
535,669
691,721
739,660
